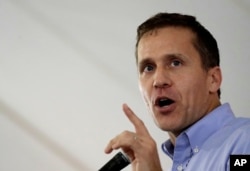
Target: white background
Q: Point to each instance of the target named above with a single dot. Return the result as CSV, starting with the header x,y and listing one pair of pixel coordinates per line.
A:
x,y
66,67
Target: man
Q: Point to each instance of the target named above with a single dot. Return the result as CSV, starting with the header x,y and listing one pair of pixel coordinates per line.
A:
x,y
180,78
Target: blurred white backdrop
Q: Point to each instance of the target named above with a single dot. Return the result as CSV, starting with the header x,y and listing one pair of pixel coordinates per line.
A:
x,y
66,67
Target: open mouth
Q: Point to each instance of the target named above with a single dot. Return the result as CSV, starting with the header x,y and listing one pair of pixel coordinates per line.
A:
x,y
163,102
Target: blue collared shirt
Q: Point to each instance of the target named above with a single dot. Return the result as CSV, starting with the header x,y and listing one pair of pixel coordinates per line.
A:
x,y
207,145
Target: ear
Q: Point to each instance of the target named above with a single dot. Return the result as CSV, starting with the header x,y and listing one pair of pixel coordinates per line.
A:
x,y
215,79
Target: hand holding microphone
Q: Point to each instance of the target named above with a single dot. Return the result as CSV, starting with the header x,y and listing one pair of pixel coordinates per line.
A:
x,y
139,148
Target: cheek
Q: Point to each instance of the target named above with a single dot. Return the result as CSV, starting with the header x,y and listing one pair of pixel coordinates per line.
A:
x,y
192,86
195,90
144,93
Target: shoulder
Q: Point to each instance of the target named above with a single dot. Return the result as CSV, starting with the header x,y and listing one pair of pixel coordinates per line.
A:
x,y
231,138
238,126
234,137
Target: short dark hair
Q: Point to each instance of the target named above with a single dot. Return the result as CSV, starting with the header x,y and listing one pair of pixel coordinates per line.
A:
x,y
204,42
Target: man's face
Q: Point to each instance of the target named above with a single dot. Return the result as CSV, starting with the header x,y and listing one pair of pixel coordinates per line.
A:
x,y
172,81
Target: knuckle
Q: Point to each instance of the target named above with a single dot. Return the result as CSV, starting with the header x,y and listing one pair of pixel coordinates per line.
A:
x,y
125,133
152,146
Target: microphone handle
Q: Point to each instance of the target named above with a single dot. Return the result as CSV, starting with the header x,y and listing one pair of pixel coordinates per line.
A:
x,y
117,163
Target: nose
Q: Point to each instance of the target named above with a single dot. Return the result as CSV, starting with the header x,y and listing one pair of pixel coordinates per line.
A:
x,y
161,78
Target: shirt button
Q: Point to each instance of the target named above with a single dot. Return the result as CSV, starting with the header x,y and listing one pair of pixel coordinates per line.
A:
x,y
196,150
180,168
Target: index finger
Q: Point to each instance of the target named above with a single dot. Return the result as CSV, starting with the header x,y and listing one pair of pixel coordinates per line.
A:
x,y
140,128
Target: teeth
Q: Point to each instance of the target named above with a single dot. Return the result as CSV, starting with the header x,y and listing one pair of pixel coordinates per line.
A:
x,y
162,102
163,99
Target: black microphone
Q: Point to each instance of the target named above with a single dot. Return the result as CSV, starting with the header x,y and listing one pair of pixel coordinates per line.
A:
x,y
117,163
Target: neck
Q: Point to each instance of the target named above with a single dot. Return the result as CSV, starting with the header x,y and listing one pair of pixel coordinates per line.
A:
x,y
172,137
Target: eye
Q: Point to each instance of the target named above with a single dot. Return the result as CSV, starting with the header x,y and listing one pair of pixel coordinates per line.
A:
x,y
175,63
148,68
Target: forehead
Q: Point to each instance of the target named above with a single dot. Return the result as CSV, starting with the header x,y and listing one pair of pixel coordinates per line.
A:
x,y
174,40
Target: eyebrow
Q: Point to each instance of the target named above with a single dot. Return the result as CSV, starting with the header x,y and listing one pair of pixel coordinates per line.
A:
x,y
145,61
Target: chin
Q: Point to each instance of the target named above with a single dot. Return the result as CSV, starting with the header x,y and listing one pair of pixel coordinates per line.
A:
x,y
164,127
168,127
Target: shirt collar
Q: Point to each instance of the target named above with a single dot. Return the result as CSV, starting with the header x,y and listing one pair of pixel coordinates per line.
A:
x,y
204,128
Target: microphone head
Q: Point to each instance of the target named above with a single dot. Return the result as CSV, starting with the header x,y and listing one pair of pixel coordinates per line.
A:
x,y
117,163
